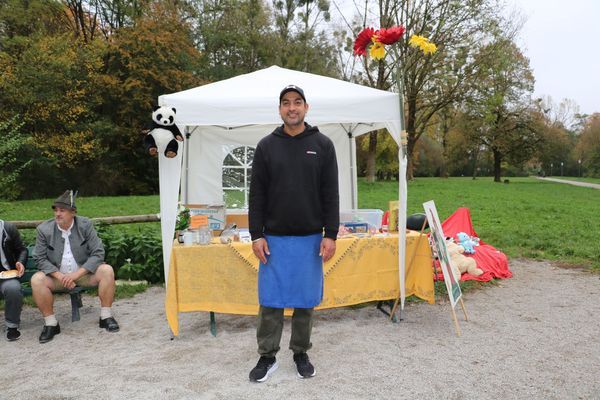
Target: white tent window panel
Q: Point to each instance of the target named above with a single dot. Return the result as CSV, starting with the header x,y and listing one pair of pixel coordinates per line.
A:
x,y
237,169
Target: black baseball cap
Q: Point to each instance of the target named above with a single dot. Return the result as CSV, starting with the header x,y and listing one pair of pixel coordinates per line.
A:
x,y
292,88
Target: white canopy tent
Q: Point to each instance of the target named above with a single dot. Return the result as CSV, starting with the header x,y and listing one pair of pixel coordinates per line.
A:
x,y
240,111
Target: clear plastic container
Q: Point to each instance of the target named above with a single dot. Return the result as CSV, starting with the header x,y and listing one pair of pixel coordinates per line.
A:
x,y
371,216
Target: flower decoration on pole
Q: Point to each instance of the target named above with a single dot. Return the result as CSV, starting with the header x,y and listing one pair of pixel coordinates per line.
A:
x,y
373,42
423,43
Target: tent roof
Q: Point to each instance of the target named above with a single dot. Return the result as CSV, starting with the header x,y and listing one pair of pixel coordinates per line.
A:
x,y
253,98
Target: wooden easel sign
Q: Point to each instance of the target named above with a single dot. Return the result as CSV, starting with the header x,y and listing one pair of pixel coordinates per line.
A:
x,y
451,280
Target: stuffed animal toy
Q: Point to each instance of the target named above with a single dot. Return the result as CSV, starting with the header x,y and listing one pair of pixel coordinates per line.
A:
x,y
467,242
163,130
460,262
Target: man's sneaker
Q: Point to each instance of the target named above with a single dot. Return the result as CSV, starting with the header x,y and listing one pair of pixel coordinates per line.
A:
x,y
264,368
303,365
12,334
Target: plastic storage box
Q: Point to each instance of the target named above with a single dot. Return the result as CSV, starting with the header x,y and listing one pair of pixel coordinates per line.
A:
x,y
371,216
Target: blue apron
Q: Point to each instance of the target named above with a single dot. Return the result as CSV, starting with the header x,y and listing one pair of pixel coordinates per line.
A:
x,y
293,275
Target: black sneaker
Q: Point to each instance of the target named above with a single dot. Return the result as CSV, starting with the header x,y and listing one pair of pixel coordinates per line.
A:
x,y
12,334
303,365
264,368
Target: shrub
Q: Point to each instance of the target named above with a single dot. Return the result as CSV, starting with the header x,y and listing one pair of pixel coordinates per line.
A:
x,y
134,255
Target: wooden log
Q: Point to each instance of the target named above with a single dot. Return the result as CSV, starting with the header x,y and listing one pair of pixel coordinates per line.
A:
x,y
124,219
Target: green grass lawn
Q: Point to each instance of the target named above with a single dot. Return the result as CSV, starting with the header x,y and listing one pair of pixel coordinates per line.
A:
x,y
109,206
27,210
524,218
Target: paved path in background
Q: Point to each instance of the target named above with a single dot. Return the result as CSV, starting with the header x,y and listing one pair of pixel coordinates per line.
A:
x,y
576,183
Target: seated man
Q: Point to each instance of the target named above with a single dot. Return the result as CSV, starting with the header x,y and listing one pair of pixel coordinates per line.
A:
x,y
13,256
69,253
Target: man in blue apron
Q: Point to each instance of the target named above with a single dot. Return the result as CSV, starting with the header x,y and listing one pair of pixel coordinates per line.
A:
x,y
294,220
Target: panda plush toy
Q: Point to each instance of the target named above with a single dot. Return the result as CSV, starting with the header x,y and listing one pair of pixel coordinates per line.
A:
x,y
163,130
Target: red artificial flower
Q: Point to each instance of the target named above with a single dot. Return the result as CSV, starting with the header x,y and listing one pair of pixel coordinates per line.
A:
x,y
389,35
363,40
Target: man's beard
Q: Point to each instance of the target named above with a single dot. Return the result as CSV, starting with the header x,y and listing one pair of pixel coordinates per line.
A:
x,y
294,121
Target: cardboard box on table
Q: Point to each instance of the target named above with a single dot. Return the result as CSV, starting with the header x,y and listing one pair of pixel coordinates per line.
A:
x,y
214,213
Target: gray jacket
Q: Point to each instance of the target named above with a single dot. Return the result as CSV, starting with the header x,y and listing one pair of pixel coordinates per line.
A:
x,y
86,246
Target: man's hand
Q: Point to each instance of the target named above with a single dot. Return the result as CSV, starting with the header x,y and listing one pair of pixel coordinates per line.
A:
x,y
261,249
327,249
66,280
20,268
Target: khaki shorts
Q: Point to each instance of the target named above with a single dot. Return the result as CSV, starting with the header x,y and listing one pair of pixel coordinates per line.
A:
x,y
84,281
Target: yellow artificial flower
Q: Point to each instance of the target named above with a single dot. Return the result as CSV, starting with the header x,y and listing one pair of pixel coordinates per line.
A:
x,y
416,41
377,50
429,48
423,43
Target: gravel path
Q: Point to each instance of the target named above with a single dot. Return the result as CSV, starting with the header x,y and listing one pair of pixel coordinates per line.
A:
x,y
575,183
534,336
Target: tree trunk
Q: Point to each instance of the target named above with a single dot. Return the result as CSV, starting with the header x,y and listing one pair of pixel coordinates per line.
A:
x,y
475,157
444,166
371,155
411,115
497,164
410,165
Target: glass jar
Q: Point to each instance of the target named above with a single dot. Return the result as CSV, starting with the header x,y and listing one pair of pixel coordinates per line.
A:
x,y
204,235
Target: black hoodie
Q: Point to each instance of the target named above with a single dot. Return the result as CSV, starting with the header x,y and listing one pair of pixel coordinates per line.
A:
x,y
294,185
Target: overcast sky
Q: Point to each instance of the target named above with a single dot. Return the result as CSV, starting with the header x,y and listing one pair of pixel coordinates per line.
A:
x,y
562,41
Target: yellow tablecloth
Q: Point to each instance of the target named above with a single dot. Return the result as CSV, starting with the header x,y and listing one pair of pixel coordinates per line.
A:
x,y
223,278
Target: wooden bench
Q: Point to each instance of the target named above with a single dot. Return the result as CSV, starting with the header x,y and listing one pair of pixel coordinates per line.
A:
x,y
75,293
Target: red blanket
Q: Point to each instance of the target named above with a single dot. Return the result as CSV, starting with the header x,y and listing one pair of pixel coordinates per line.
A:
x,y
493,262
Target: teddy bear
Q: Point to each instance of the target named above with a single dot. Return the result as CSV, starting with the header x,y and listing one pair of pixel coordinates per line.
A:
x,y
461,263
163,130
467,242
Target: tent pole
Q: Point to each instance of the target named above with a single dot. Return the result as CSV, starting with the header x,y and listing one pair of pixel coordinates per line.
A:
x,y
187,164
352,171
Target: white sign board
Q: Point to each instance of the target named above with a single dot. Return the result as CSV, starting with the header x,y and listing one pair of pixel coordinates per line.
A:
x,y
438,240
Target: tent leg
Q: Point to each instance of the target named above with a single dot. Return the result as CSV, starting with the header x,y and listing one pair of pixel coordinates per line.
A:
x,y
390,304
410,263
213,324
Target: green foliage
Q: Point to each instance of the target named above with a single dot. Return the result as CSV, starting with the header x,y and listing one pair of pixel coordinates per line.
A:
x,y
502,119
23,19
386,155
525,218
84,97
588,147
134,256
183,218
236,37
13,159
53,83
137,272
128,291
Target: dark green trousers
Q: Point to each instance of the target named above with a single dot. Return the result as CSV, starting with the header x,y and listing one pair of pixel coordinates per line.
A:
x,y
270,327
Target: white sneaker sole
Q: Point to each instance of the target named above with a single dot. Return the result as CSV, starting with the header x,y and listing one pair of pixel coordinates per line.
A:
x,y
306,377
270,372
